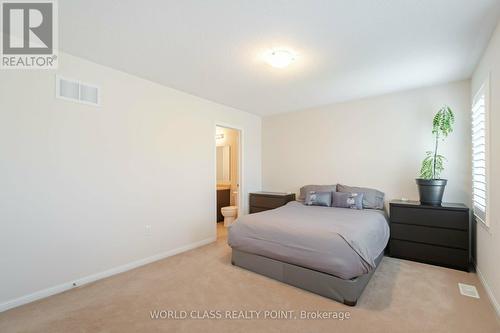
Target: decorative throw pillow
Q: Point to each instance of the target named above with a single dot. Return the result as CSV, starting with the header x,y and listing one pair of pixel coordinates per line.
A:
x,y
317,188
372,198
348,200
316,198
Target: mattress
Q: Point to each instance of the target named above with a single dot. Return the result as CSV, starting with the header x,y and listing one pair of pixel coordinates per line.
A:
x,y
338,241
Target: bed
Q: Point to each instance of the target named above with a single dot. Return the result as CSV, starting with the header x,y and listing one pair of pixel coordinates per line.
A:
x,y
329,251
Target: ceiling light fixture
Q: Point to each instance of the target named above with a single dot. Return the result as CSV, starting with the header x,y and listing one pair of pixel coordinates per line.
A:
x,y
279,58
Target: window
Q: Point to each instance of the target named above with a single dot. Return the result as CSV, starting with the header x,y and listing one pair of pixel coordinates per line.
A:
x,y
76,91
480,145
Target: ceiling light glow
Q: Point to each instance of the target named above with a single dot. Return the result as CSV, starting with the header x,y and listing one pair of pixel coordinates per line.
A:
x,y
279,58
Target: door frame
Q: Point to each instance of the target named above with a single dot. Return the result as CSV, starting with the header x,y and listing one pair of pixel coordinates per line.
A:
x,y
240,162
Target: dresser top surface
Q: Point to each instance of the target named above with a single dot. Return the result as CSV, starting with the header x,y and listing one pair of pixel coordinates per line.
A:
x,y
273,194
416,204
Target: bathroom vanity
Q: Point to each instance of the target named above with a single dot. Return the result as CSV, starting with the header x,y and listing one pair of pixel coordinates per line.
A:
x,y
223,200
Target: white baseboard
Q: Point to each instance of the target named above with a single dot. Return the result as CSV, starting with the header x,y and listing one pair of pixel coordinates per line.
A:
x,y
491,296
101,275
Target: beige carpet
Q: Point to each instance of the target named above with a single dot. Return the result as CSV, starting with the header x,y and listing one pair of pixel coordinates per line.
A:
x,y
402,296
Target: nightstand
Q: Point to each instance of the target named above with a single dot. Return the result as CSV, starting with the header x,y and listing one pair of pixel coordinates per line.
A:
x,y
261,201
438,235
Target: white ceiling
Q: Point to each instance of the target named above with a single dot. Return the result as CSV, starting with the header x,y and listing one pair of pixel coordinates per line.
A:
x,y
346,49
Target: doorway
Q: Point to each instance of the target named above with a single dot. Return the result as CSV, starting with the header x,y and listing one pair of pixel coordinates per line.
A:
x,y
228,176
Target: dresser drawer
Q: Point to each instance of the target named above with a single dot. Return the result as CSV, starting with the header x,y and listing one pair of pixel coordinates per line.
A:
x,y
254,209
434,236
431,217
431,254
267,202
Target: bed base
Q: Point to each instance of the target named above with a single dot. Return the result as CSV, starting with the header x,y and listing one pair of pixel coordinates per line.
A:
x,y
344,291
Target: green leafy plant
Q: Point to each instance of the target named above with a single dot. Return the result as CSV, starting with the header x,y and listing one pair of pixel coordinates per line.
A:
x,y
442,126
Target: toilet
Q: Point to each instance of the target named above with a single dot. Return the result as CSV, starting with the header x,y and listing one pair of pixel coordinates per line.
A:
x,y
230,213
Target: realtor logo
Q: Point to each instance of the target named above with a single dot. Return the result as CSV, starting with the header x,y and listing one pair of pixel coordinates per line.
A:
x,y
29,34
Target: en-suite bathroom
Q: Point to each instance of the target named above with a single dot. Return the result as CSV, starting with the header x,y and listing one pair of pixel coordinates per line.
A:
x,y
228,170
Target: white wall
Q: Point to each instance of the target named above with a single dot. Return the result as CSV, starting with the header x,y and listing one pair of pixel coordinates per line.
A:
x,y
79,184
488,239
377,142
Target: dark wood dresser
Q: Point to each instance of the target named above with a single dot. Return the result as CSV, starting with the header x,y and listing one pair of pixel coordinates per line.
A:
x,y
438,235
261,201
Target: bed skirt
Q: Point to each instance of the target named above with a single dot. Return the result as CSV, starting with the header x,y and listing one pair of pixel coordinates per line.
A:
x,y
344,291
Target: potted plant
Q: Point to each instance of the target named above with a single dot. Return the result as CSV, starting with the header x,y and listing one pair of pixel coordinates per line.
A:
x,y
430,185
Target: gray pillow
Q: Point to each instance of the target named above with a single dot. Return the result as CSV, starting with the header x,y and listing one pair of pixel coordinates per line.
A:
x,y
347,200
372,199
316,198
319,188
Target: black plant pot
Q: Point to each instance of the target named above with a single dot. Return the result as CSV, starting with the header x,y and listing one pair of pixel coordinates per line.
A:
x,y
431,191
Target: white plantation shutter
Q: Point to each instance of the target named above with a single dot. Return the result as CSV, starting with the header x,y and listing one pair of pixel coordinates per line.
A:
x,y
480,153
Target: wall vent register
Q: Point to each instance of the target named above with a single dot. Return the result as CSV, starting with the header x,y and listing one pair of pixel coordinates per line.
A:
x,y
77,91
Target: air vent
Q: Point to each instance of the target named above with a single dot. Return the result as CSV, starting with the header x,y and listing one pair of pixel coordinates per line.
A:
x,y
468,290
77,91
